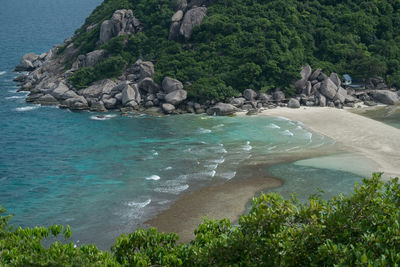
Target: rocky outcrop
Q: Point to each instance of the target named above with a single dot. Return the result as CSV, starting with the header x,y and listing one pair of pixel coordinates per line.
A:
x,y
386,97
122,22
176,97
294,103
192,18
222,109
169,85
89,60
98,89
328,88
249,94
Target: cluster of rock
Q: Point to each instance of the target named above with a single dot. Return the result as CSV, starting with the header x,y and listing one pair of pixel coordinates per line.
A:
x,y
315,88
186,17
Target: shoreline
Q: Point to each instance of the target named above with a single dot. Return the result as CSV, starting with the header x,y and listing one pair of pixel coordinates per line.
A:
x,y
377,142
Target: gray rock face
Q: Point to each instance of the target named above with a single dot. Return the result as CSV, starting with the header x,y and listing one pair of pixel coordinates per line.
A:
x,y
94,57
335,79
249,94
341,95
169,85
77,103
27,62
146,69
47,100
98,106
174,31
306,72
97,89
110,103
386,97
149,86
264,98
307,89
294,103
278,95
122,22
315,74
130,93
222,109
238,102
177,16
62,92
176,97
328,89
192,18
168,108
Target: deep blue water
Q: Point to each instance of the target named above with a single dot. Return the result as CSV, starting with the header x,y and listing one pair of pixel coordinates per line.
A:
x,y
105,177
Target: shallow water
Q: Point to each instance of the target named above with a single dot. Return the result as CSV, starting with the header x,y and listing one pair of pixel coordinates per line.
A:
x,y
388,114
107,174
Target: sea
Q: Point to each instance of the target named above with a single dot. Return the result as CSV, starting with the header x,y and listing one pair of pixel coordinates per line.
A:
x,y
106,175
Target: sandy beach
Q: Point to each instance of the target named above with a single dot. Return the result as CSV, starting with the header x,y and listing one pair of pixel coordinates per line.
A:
x,y
375,140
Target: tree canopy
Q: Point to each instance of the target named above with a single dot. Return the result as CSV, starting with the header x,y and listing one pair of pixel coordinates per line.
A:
x,y
359,229
259,44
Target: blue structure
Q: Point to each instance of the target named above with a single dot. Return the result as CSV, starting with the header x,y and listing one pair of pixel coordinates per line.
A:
x,y
347,79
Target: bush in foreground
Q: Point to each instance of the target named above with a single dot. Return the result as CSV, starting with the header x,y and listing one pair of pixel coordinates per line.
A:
x,y
360,229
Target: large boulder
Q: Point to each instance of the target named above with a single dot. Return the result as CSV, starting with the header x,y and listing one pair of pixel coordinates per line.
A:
x,y
264,98
110,103
122,22
328,88
294,103
238,102
169,85
62,92
341,95
321,99
98,88
176,97
146,69
94,57
222,109
385,97
76,103
47,100
315,74
306,72
26,62
249,94
177,16
278,95
149,86
192,18
131,93
168,108
335,79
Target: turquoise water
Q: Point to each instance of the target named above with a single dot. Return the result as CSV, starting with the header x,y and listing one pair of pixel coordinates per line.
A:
x,y
106,176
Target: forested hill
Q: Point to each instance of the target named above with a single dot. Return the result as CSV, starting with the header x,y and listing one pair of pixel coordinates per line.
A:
x,y
255,44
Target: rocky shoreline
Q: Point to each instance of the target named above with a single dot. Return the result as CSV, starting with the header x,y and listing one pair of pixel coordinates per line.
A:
x,y
47,79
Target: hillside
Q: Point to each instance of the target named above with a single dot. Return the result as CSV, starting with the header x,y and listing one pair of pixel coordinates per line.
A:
x,y
255,44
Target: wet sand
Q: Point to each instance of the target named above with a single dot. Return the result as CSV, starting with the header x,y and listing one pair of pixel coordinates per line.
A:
x,y
375,140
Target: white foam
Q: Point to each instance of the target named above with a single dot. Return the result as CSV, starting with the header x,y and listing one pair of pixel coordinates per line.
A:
x,y
172,189
272,147
168,168
211,173
287,132
155,153
204,131
290,149
309,135
211,166
218,126
299,127
28,108
247,147
228,175
139,205
153,177
273,126
2,72
218,161
15,97
102,118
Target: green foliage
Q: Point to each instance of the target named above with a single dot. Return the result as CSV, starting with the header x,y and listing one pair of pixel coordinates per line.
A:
x,y
108,68
360,229
259,44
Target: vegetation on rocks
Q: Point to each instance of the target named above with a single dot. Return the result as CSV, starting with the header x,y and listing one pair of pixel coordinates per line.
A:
x,y
256,44
360,229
